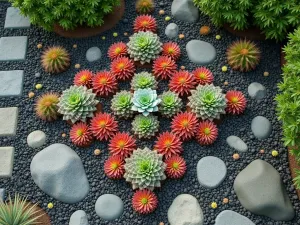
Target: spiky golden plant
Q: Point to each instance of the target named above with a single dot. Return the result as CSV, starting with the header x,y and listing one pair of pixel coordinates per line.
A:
x,y
55,59
243,55
144,6
18,212
46,106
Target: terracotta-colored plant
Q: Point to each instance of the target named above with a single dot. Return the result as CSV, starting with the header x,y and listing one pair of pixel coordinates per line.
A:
x,y
168,144
83,78
207,132
114,167
203,75
122,68
81,135
104,126
145,23
164,67
46,106
184,125
104,84
182,83
116,50
176,167
236,102
144,201
172,50
122,144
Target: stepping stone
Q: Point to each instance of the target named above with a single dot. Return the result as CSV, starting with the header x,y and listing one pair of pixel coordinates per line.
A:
x,y
8,121
230,217
2,194
6,161
109,207
11,83
14,20
201,52
13,48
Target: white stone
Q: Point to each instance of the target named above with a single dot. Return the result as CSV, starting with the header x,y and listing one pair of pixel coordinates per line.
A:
x,y
8,121
79,217
36,139
6,161
109,207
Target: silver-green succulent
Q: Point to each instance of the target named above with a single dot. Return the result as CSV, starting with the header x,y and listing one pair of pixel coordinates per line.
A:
x,y
145,169
207,102
144,46
77,103
121,104
145,101
170,104
143,80
145,126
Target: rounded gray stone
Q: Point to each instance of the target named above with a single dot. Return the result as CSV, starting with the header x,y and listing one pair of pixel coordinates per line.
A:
x,y
79,217
228,217
237,143
261,127
211,171
93,54
257,91
185,10
201,52
36,139
109,207
172,30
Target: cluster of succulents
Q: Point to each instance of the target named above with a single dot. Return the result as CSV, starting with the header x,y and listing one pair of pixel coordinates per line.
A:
x,y
103,126
168,144
143,80
121,104
184,125
170,104
122,144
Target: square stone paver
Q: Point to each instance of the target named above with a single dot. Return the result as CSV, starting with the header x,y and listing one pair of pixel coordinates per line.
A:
x,y
13,48
2,194
8,121
11,83
6,161
14,20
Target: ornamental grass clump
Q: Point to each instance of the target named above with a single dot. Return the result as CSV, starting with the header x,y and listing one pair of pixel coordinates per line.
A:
x,y
144,6
77,104
55,59
143,80
144,47
145,169
207,102
46,106
145,126
170,104
145,101
121,104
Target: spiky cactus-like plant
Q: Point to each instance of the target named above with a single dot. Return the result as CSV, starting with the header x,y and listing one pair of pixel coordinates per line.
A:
x,y
207,102
143,80
170,104
55,59
145,101
145,126
145,169
46,106
144,46
144,6
77,103
121,104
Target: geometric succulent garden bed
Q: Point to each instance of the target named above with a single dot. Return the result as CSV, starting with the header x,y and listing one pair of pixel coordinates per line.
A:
x,y
188,133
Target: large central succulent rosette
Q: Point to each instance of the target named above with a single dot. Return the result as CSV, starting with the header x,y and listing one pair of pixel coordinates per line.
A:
x,y
145,101
145,169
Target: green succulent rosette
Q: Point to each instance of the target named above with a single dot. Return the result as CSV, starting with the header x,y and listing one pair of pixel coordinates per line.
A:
x,y
145,101
170,104
121,104
145,126
143,80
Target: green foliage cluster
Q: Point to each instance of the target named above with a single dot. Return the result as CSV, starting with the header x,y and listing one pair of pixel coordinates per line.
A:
x,y
274,17
66,13
288,101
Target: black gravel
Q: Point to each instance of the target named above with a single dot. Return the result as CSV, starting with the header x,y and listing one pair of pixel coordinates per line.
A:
x,y
231,125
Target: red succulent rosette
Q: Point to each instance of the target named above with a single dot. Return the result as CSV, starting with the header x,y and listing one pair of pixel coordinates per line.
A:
x,y
176,167
104,84
164,67
122,144
144,201
207,132
145,23
184,125
182,82
171,49
203,75
168,144
81,135
103,126
114,167
83,78
117,50
236,102
122,68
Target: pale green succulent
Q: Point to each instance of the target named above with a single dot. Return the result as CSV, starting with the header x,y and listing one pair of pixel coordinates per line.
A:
x,y
77,103
121,104
207,102
145,169
145,101
170,104
144,46
143,80
145,126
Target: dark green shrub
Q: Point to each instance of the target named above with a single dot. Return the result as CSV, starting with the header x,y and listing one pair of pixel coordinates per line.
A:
x,y
66,13
274,17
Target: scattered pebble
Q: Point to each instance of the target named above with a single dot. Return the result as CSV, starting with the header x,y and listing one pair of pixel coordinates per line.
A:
x,y
225,200
161,12
39,46
161,223
218,37
224,68
204,30
74,46
115,34
275,153
77,66
214,205
63,135
39,86
50,205
266,74
97,152
37,75
103,37
31,94
262,151
181,36
226,83
236,156
167,18
182,67
125,34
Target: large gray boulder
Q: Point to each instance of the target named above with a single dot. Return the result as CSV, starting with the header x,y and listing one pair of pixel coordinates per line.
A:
x,y
59,172
79,217
185,10
228,217
185,210
260,190
201,52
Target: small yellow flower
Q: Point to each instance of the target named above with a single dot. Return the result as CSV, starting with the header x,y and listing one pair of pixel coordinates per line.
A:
x,y
167,18
103,37
275,153
38,86
214,205
224,68
218,37
50,205
115,34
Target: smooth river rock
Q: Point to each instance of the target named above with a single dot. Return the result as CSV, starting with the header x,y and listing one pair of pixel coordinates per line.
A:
x,y
237,143
261,127
185,10
201,52
185,210
36,139
228,217
79,217
172,30
93,54
260,190
109,207
59,172
257,91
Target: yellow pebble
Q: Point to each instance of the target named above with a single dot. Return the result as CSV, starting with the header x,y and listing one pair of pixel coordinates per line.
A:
x,y
225,200
161,12
181,36
115,34
214,205
224,68
275,153
97,152
77,66
218,37
103,37
236,156
39,46
50,205
31,94
266,74
167,18
74,46
38,86
63,135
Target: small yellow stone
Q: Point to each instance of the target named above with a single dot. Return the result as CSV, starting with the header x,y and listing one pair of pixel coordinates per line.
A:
x,y
226,83
214,205
182,67
275,153
161,12
39,86
218,37
225,200
63,135
181,36
167,18
262,151
125,34
97,152
31,94
74,46
224,68
115,34
103,37
77,66
39,46
50,205
236,156
266,74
